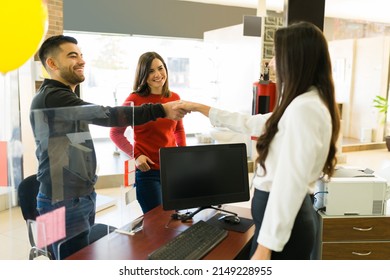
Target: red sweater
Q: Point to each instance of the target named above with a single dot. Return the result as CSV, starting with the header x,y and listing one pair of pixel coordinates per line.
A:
x,y
150,137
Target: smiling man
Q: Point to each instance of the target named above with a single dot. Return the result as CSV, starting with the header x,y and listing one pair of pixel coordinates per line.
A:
x,y
65,150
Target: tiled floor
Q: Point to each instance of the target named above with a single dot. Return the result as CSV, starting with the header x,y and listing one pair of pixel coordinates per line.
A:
x,y
13,232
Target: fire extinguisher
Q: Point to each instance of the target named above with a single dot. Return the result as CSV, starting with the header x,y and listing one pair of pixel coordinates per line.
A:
x,y
264,95
264,92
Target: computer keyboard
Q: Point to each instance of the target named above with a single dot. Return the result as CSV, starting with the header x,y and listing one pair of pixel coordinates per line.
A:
x,y
192,244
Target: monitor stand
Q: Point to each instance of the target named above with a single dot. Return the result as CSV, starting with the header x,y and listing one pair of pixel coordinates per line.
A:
x,y
190,215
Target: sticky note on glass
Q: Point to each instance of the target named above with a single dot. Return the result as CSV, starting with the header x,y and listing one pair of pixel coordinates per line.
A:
x,y
3,164
51,227
129,175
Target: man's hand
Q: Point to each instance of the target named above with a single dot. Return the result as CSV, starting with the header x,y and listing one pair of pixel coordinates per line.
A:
x,y
189,107
174,112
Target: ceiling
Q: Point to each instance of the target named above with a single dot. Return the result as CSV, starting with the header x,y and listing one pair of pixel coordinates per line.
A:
x,y
367,10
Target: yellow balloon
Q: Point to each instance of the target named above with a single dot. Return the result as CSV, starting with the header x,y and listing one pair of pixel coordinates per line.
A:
x,y
23,25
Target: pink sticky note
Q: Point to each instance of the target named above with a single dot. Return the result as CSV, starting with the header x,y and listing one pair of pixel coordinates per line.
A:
x,y
3,164
51,227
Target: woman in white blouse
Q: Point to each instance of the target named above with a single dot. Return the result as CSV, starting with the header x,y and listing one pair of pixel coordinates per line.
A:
x,y
296,143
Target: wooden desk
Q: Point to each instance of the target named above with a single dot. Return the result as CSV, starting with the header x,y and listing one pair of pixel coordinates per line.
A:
x,y
158,229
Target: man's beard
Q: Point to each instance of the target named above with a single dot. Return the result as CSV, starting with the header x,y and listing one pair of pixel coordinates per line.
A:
x,y
72,78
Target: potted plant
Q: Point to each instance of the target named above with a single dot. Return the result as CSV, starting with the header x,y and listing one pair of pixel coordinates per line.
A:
x,y
382,104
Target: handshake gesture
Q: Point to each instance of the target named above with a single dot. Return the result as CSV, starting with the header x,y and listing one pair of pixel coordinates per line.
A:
x,y
176,110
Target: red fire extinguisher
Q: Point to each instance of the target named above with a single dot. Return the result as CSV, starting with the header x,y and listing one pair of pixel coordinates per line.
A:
x,y
264,93
264,97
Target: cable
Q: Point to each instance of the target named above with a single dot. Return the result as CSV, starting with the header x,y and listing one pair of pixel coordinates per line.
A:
x,y
321,209
320,192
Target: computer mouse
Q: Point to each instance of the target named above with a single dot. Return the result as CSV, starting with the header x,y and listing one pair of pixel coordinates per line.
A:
x,y
230,219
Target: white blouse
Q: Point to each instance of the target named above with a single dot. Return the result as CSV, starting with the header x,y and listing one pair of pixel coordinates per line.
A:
x,y
295,160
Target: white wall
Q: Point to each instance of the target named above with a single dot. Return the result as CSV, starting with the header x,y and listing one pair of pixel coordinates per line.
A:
x,y
371,72
237,58
342,56
27,92
361,71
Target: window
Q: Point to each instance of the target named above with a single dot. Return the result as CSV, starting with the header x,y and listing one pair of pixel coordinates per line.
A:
x,y
218,71
111,62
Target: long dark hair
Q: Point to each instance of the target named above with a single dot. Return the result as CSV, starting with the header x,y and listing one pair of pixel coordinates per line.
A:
x,y
140,81
302,60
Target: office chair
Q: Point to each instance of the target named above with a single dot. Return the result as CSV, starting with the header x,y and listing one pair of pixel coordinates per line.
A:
x,y
27,192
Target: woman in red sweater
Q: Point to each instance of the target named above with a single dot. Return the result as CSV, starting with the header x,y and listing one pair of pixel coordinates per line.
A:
x,y
150,86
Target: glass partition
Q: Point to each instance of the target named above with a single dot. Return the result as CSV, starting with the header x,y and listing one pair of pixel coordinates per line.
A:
x,y
10,138
11,168
68,174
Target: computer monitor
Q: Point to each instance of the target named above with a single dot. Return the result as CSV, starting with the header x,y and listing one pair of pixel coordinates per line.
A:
x,y
203,176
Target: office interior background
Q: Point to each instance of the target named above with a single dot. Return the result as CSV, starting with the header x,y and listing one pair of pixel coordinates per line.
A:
x,y
209,61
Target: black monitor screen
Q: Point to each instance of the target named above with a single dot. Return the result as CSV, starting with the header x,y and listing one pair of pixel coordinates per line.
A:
x,y
202,176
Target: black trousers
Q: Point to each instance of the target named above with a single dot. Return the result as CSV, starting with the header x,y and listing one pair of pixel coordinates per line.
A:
x,y
302,239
